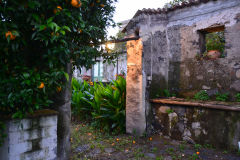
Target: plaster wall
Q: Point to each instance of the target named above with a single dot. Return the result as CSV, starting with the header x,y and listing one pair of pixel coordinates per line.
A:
x,y
30,139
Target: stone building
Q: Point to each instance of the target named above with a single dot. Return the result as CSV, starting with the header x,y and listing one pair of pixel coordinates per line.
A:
x,y
166,57
106,72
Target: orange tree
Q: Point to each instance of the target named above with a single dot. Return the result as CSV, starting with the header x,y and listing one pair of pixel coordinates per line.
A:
x,y
38,39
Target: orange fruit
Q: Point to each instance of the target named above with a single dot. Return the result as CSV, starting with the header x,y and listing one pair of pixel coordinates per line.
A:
x,y
41,85
102,5
80,31
198,153
133,142
98,1
59,89
150,138
9,34
58,9
76,3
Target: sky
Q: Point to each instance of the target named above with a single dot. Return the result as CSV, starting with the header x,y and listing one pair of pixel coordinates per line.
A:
x,y
125,9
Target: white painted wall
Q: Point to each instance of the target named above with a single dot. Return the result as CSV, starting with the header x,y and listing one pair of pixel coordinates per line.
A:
x,y
30,139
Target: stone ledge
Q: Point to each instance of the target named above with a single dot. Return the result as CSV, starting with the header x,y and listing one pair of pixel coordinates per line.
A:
x,y
205,104
36,114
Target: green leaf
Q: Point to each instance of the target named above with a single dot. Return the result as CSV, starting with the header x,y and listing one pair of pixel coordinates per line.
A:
x,y
42,27
66,76
50,20
63,32
66,28
26,75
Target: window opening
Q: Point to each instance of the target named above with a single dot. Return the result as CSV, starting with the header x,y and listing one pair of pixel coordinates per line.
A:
x,y
212,43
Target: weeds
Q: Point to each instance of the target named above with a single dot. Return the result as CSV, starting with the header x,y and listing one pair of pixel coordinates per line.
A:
x,y
202,95
238,97
197,146
169,111
222,97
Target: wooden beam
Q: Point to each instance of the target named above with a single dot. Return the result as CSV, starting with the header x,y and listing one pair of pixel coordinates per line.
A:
x,y
197,104
121,40
214,29
116,41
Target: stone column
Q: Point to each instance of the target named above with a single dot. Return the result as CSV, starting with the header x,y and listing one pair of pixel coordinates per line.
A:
x,y
135,107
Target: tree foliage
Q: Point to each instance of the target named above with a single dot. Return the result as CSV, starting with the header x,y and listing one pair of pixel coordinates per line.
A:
x,y
173,3
38,39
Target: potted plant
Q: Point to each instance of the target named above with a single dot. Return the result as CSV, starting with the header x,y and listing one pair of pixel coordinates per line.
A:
x,y
215,45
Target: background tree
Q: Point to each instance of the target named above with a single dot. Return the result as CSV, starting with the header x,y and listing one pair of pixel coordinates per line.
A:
x,y
40,39
174,3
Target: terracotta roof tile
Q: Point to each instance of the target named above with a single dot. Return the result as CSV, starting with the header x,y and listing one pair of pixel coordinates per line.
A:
x,y
165,10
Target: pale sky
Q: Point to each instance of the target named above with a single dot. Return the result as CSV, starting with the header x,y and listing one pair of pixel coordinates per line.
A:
x,y
125,9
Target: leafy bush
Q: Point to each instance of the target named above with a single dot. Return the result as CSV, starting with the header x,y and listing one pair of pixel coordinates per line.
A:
x,y
238,97
81,90
215,41
105,104
202,95
222,97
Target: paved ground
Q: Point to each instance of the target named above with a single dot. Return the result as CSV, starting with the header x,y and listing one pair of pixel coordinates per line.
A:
x,y
88,143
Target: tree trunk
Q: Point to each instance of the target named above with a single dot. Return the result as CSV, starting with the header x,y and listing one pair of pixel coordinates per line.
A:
x,y
62,103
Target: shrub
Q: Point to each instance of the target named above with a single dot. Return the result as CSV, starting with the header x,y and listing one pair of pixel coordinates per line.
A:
x,y
105,104
81,91
215,41
202,95
238,97
222,97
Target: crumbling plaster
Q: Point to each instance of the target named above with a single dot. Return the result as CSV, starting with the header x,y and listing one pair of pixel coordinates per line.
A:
x,y
171,42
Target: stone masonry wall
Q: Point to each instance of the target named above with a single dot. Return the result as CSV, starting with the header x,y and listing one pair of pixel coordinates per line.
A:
x,y
30,139
171,42
218,128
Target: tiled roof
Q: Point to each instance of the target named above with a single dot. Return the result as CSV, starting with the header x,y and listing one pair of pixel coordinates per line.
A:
x,y
165,10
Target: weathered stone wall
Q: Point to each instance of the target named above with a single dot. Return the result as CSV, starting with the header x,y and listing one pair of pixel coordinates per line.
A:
x,y
30,139
110,70
171,42
199,125
191,75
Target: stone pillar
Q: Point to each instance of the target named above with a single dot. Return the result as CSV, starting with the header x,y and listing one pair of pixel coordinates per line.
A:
x,y
135,106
